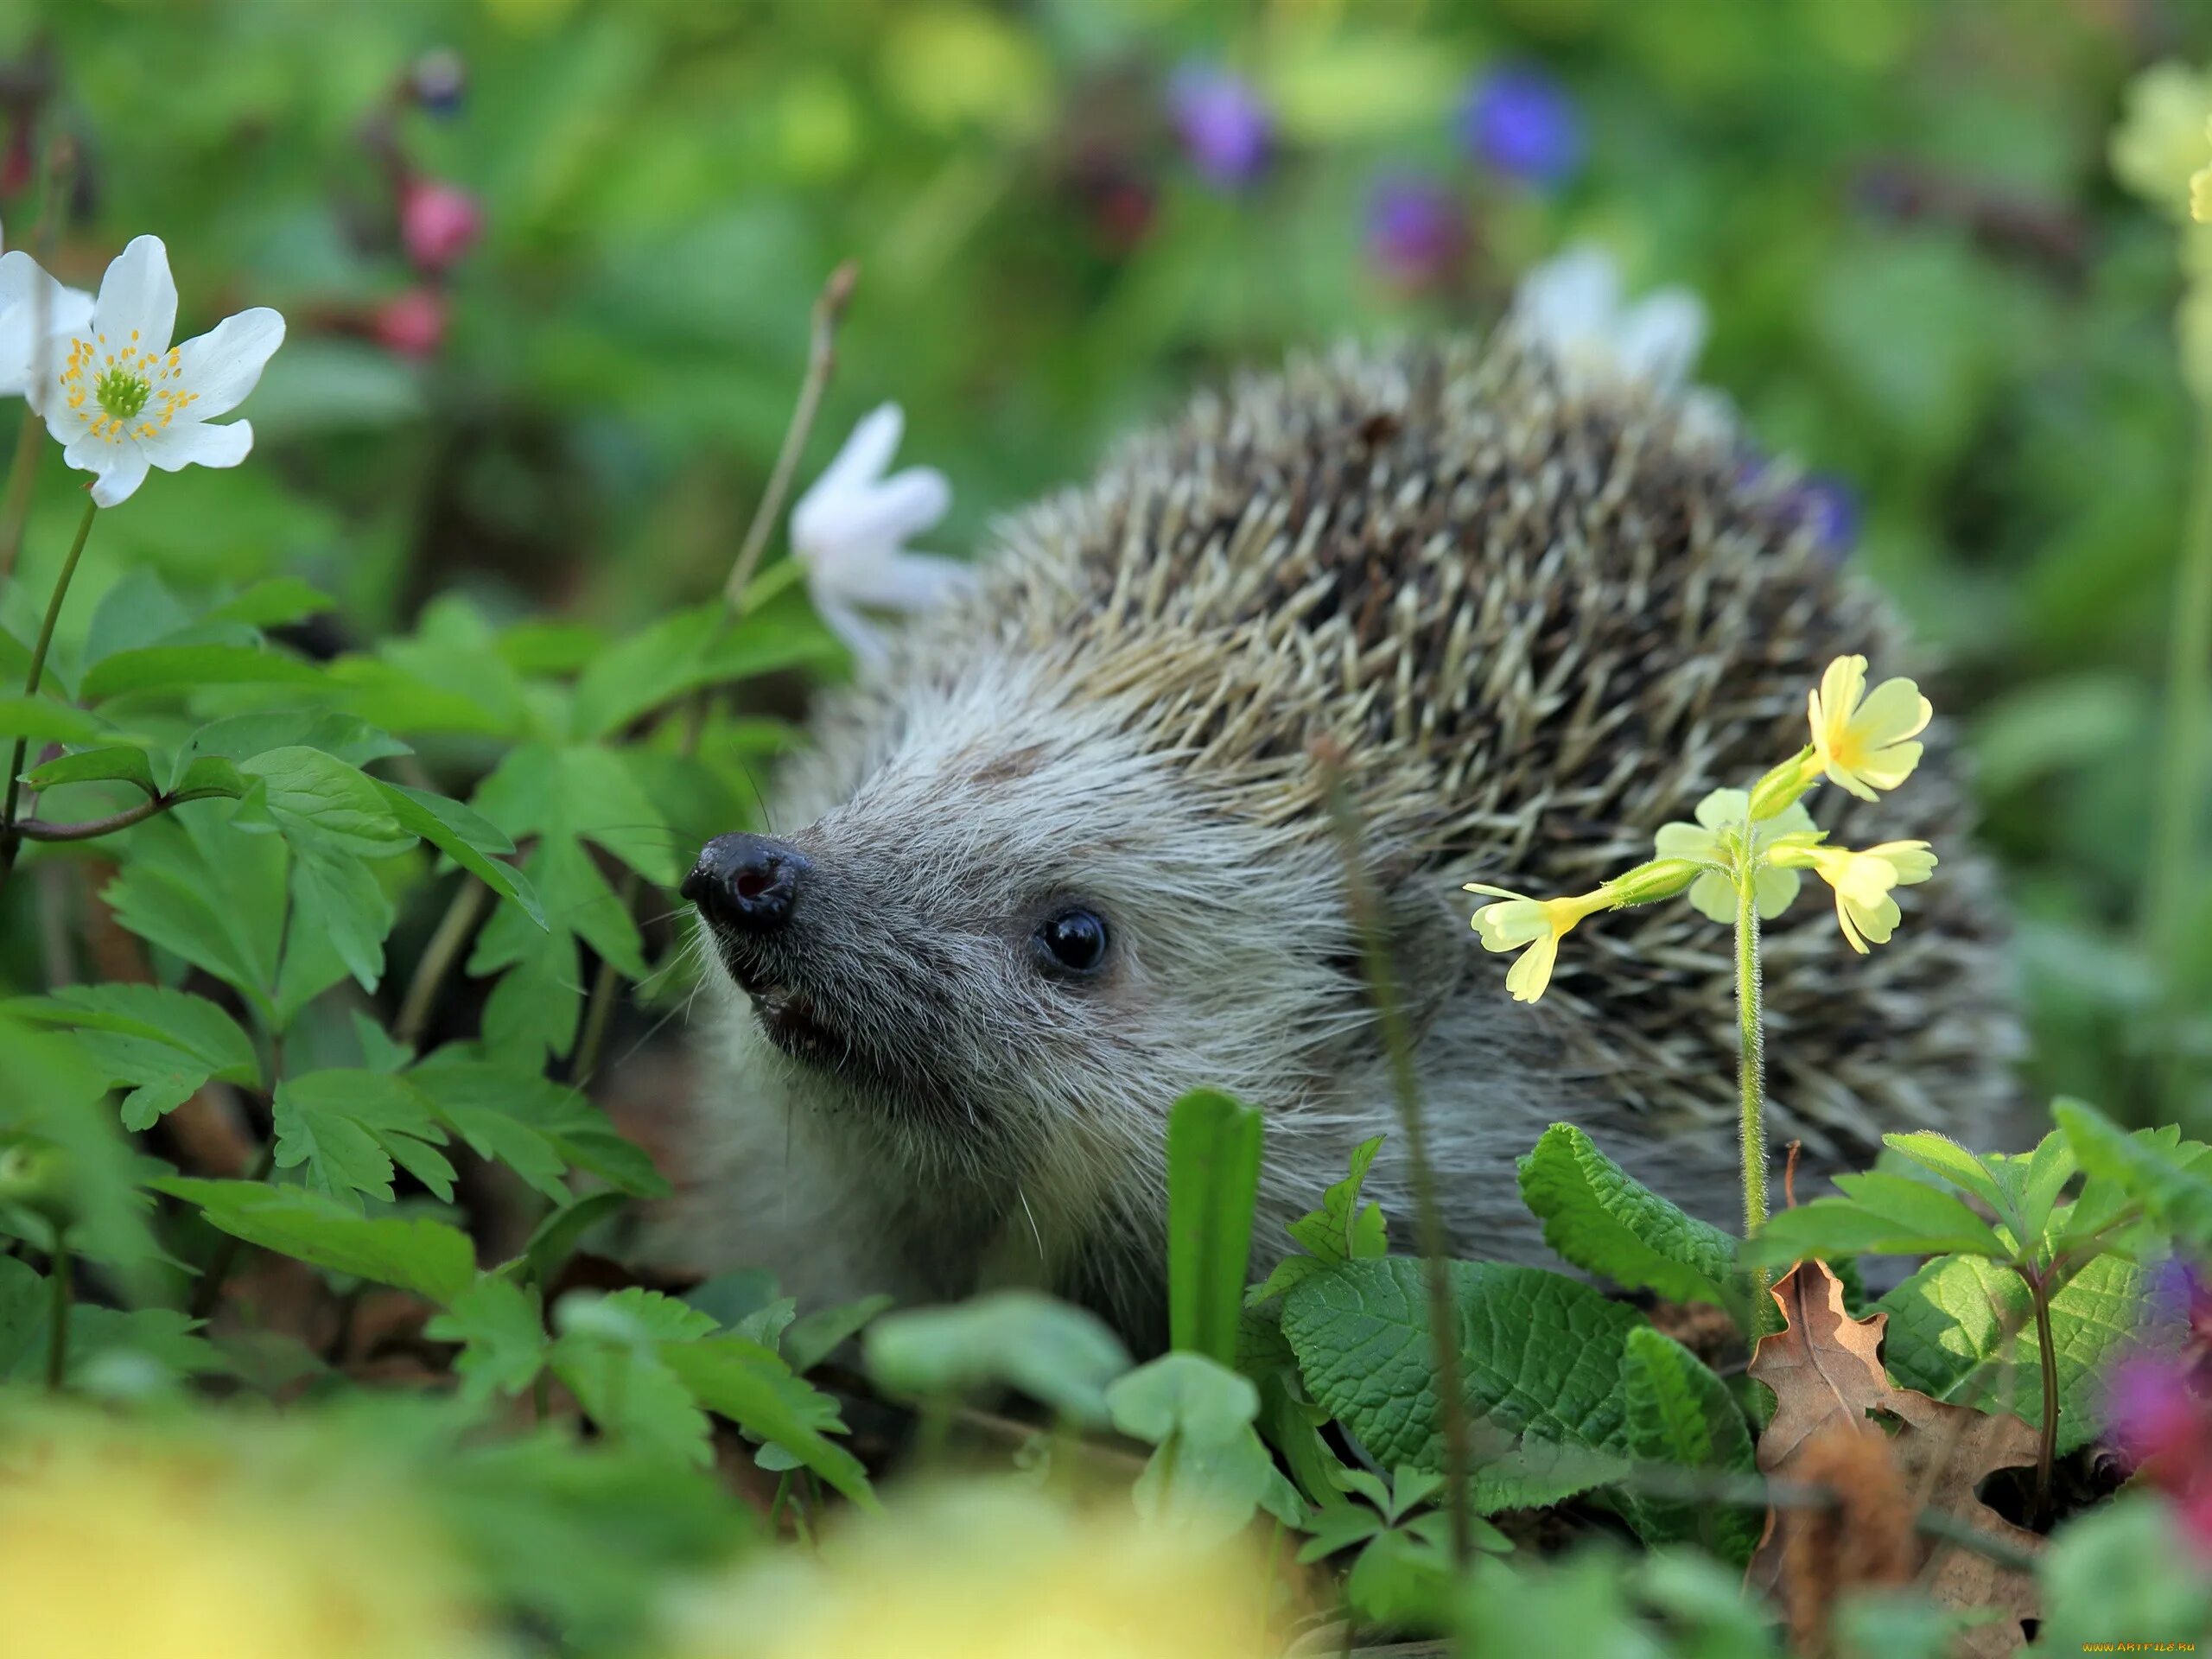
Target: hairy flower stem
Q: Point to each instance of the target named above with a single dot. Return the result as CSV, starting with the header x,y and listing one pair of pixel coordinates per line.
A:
x,y
10,843
1751,1071
2178,812
1428,1216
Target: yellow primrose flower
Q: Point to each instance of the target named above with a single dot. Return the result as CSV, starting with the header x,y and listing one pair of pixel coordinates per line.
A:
x,y
1713,893
1538,923
991,1571
1864,908
1860,739
2159,141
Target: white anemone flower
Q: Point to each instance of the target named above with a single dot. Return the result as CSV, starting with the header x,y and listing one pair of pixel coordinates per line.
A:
x,y
851,528
123,399
1574,308
34,308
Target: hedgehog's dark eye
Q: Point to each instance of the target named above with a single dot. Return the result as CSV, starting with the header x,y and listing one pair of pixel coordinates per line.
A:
x,y
1073,941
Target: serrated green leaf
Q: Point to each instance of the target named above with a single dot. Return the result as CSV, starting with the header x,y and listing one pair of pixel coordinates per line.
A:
x,y
348,1127
1061,1356
1949,1160
468,838
163,668
1919,1209
317,799
501,1327
212,898
337,902
1680,1413
1599,1218
630,1392
511,1110
1962,1331
162,1045
427,1257
1539,1354
1213,1188
747,1383
2171,1177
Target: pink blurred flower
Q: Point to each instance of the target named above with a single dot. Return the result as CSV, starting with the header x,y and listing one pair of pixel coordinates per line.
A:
x,y
438,222
412,324
2164,1425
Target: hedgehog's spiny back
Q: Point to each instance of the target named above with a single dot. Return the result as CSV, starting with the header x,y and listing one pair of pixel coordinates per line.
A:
x,y
1542,623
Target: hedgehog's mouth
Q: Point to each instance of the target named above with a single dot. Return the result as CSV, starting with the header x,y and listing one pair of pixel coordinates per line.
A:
x,y
789,1019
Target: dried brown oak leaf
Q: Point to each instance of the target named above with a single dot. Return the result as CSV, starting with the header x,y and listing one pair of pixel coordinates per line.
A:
x,y
1826,1371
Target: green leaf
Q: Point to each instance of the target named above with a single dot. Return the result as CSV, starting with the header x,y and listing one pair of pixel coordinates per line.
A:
x,y
466,837
533,1124
1962,1331
626,1389
240,737
116,766
1680,1413
1213,1187
162,1043
556,1237
681,653
349,1127
501,1327
1342,1229
1879,1213
215,898
1210,1472
1916,1208
1950,1160
2171,1177
165,668
271,603
744,1381
46,720
1604,1221
427,1257
337,902
812,1339
1061,1356
1541,1356
319,800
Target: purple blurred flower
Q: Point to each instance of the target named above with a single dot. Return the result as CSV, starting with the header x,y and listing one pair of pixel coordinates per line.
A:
x,y
2156,1416
1226,130
1415,232
439,79
1829,508
1519,121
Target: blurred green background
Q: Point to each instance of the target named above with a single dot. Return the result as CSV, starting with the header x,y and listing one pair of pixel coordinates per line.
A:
x,y
1924,284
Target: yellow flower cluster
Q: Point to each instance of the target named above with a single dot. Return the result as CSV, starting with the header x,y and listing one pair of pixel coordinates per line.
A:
x,y
1756,840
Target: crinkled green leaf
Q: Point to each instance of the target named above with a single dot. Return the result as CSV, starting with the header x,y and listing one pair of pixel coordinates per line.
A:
x,y
2171,1177
1680,1413
1963,1329
1539,1354
1604,1221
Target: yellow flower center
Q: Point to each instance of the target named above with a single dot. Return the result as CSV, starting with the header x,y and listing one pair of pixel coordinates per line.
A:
x,y
120,385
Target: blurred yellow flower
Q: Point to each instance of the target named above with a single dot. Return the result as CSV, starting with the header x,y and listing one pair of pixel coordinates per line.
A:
x,y
1864,908
114,1543
1860,739
1713,893
991,1571
2159,143
1538,923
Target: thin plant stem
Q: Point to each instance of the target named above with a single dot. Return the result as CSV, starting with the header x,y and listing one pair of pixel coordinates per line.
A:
x,y
445,947
9,841
2178,808
740,592
1405,1083
2039,1290
1750,1070
208,1294
57,1336
22,470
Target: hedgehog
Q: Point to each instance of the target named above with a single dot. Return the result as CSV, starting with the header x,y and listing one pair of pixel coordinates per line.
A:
x,y
1067,853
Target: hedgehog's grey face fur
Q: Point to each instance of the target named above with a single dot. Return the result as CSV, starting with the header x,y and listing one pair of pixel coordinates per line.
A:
x,y
909,1010
1536,620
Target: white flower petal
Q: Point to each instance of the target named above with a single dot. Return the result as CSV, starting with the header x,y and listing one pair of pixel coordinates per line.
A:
x,y
1658,338
907,581
863,459
35,312
1571,299
861,638
222,366
195,443
119,466
878,517
137,293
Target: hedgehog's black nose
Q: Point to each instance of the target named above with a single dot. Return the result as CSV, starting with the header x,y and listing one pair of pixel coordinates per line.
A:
x,y
747,883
